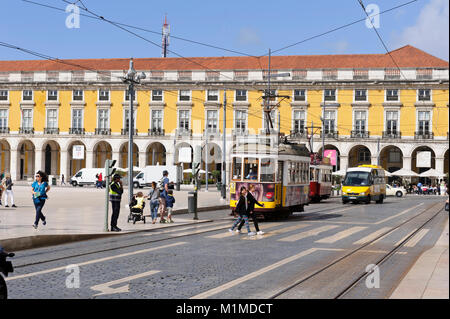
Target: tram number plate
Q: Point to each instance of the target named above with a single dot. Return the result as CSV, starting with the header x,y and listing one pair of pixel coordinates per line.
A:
x,y
353,197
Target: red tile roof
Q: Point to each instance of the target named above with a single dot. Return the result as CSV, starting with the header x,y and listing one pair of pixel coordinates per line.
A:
x,y
406,57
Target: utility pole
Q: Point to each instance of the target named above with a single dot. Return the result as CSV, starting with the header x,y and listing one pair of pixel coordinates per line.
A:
x,y
131,79
224,146
323,128
206,163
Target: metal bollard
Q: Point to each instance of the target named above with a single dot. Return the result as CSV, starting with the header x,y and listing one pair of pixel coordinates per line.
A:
x,y
192,203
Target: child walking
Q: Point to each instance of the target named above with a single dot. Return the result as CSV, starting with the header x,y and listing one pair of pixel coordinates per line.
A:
x,y
170,200
242,209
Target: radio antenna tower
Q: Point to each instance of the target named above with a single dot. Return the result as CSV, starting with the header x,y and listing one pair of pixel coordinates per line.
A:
x,y
165,38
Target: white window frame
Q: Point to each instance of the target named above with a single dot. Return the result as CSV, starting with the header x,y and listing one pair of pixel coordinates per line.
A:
x,y
151,118
386,95
335,96
335,126
125,120
293,95
72,118
73,95
22,117
99,95
32,95
431,119
162,95
217,118
108,119
46,116
207,96
7,96
7,116
235,96
178,119
431,96
398,119
354,95
57,95
125,95
274,120
190,95
293,117
366,120
235,119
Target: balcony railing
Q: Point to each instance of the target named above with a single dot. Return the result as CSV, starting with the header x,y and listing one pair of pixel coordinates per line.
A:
x,y
183,132
423,135
126,131
4,130
102,131
299,133
330,134
51,130
271,131
156,132
26,130
359,134
76,130
391,134
239,132
214,132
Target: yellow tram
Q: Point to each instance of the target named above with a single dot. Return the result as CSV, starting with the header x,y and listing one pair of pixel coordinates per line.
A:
x,y
280,174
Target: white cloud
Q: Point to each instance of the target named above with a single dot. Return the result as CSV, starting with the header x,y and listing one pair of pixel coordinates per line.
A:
x,y
430,32
248,36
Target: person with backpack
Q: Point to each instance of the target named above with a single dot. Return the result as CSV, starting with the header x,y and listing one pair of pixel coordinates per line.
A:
x,y
242,209
164,188
251,207
39,189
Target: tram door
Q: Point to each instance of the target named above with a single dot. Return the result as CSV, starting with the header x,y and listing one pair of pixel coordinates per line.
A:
x,y
279,183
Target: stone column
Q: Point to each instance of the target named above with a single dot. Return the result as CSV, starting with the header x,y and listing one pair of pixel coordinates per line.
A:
x,y
116,157
13,164
63,169
142,159
374,160
344,162
439,167
37,161
407,162
89,158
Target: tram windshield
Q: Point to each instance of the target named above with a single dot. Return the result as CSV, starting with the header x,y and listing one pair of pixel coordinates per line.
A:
x,y
267,170
237,169
251,168
357,179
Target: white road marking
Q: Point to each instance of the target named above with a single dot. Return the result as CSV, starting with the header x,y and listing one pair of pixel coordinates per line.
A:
x,y
416,238
399,214
190,231
176,229
276,232
372,236
403,239
106,289
313,232
47,271
341,235
229,234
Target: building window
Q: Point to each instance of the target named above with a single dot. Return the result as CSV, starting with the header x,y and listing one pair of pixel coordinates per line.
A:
x,y
185,75
273,118
391,122
103,119
27,95
360,121
157,120
52,76
185,95
77,95
299,74
126,117
240,122
157,95
423,122
300,95
391,74
77,76
330,74
329,121
241,75
127,95
360,74
299,121
360,95
424,94
330,95
392,95
27,118
52,118
77,118
211,120
424,74
212,76
213,95
3,95
52,95
363,155
241,95
3,119
184,117
103,95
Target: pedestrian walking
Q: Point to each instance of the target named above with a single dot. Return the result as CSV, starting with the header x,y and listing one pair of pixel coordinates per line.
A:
x,y
39,189
115,196
62,180
164,188
242,210
2,187
170,200
100,180
153,196
251,207
8,184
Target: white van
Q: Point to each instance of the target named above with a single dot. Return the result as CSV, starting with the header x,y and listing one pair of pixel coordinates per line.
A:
x,y
154,173
86,176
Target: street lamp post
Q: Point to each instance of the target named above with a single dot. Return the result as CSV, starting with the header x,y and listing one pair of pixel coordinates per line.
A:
x,y
131,79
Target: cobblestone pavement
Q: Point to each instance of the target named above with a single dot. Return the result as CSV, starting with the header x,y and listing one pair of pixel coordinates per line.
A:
x,y
206,261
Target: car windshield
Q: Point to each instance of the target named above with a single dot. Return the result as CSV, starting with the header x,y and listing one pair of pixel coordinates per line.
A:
x,y
356,179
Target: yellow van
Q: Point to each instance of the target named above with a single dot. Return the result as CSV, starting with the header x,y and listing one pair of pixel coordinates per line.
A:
x,y
363,184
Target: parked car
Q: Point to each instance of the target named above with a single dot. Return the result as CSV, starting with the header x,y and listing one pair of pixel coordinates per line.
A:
x,y
395,191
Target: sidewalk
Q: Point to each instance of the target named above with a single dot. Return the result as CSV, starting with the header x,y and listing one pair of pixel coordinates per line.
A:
x,y
77,213
429,276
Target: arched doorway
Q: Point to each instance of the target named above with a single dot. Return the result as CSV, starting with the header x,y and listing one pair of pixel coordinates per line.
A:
x,y
212,157
102,152
184,166
359,155
5,156
423,162
446,159
51,152
25,160
123,159
338,156
75,164
391,158
156,154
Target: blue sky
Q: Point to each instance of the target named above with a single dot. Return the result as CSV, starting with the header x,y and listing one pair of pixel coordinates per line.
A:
x,y
250,26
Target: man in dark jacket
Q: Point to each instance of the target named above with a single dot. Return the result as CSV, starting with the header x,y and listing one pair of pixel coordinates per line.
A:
x,y
242,209
250,210
115,196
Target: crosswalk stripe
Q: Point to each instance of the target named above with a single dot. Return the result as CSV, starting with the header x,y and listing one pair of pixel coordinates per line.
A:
x,y
341,235
401,240
229,234
372,236
417,237
309,233
276,232
201,227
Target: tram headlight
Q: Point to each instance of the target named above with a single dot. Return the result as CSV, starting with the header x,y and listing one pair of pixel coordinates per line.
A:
x,y
362,194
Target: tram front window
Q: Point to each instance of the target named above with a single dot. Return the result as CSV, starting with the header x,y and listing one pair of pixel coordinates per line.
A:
x,y
357,179
267,170
251,168
237,169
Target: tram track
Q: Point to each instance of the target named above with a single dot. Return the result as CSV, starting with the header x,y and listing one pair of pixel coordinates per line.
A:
x,y
297,284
